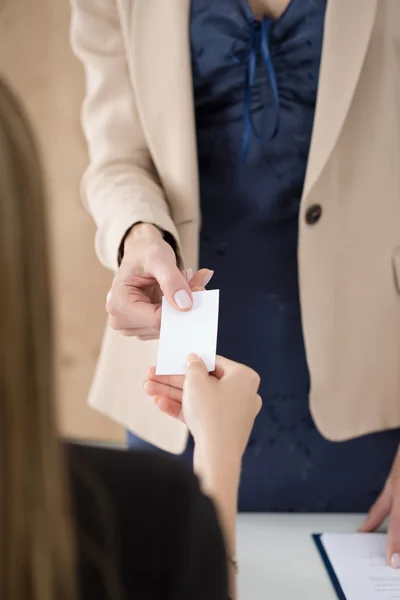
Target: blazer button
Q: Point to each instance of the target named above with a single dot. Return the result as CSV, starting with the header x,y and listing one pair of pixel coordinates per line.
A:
x,y
313,214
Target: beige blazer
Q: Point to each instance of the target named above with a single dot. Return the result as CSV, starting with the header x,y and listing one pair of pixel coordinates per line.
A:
x,y
139,121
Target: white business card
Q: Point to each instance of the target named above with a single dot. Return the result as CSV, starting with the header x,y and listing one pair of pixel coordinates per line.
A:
x,y
184,333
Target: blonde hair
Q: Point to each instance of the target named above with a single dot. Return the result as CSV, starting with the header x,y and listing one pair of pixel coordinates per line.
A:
x,y
37,548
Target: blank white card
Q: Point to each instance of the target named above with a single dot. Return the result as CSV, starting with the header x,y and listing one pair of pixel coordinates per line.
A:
x,y
184,333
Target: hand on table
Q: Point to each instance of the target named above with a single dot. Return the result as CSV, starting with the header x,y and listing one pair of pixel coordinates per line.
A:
x,y
388,505
148,271
219,409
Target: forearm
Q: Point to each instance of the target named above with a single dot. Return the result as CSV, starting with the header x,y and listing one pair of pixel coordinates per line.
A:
x,y
121,186
220,480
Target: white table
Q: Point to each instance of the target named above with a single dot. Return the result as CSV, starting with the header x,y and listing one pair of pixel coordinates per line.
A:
x,y
278,559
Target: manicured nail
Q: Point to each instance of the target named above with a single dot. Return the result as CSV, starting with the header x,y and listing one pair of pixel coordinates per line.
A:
x,y
395,561
189,275
193,358
183,300
208,278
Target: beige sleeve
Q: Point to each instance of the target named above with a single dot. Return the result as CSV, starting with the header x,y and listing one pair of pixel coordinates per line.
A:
x,y
120,186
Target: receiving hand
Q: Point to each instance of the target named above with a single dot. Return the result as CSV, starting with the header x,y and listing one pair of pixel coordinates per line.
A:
x,y
148,271
219,409
388,505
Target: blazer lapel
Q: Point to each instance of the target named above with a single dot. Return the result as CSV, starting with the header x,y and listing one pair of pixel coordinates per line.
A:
x,y
348,29
163,77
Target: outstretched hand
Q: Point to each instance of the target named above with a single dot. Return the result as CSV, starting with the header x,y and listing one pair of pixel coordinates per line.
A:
x,y
167,391
219,408
148,272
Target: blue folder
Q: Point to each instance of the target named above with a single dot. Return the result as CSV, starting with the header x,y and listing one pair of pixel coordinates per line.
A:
x,y
328,566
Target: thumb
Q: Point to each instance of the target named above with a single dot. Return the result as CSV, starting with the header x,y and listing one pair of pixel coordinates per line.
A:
x,y
196,372
173,284
378,512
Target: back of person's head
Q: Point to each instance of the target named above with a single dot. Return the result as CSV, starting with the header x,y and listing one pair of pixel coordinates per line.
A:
x,y
36,539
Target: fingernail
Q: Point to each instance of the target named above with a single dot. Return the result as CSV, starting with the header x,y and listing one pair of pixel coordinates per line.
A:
x,y
182,299
108,298
192,358
155,399
208,278
189,275
395,561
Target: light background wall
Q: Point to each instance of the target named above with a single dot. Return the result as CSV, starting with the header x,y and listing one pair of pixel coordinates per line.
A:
x,y
36,59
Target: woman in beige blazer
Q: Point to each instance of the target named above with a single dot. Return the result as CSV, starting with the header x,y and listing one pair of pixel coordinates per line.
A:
x,y
313,88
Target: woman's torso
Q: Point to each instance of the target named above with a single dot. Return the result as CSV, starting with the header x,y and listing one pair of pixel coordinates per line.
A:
x,y
144,529
251,182
252,174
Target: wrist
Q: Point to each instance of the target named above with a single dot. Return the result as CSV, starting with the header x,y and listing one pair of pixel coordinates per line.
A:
x,y
142,231
136,233
217,468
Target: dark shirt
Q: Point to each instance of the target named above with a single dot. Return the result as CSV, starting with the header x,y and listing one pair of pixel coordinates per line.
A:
x,y
145,530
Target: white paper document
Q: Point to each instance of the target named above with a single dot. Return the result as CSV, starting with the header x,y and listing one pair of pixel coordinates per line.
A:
x,y
184,333
359,562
